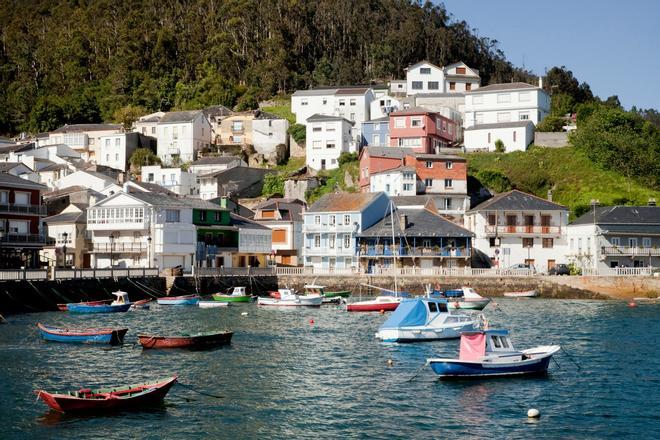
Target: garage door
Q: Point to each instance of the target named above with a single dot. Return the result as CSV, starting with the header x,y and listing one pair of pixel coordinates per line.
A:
x,y
172,261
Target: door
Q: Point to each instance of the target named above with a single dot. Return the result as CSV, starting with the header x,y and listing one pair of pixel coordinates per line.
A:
x,y
376,140
551,264
332,262
287,260
545,224
510,223
322,164
529,224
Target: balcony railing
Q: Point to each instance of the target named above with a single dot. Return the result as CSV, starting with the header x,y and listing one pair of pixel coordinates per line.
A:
x,y
23,209
329,228
522,229
135,272
117,247
337,251
35,239
630,250
420,251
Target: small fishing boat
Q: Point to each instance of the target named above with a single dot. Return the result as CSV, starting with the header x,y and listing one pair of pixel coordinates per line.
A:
x,y
212,304
315,289
141,304
185,300
386,303
109,399
288,298
424,319
463,298
643,299
97,308
489,353
523,294
237,295
193,342
64,307
112,336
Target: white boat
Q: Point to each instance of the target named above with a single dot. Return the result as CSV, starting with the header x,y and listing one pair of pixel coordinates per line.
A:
x,y
212,304
463,298
288,298
424,319
523,294
489,353
122,298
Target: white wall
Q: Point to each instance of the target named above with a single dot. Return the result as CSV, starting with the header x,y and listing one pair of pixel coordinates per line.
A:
x,y
268,134
208,188
531,104
115,150
337,133
305,106
415,75
393,183
174,179
383,106
480,139
191,137
398,86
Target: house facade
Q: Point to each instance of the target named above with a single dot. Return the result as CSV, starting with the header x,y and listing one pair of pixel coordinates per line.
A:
x,y
459,78
284,218
401,181
422,130
507,102
174,179
382,106
376,132
116,149
21,213
98,182
332,224
518,228
146,124
67,238
84,138
414,238
181,135
425,77
516,136
615,236
212,164
326,138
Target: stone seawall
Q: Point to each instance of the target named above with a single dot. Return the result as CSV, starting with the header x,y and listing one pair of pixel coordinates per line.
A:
x,y
209,285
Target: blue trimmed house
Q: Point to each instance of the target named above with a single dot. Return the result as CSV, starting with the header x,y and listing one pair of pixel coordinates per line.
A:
x,y
376,133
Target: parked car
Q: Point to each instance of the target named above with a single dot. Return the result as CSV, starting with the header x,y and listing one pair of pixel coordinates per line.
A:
x,y
521,266
559,269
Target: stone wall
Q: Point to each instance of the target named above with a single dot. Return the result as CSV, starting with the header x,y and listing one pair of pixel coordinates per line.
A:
x,y
295,149
615,287
553,140
209,285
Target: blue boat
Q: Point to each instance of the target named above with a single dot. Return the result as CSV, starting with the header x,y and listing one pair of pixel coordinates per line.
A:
x,y
111,336
100,308
489,353
186,300
424,319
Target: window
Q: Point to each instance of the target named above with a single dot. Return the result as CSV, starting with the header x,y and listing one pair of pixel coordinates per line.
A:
x,y
417,85
317,219
496,341
172,216
202,216
387,188
646,242
425,70
428,182
325,101
448,204
347,219
415,122
449,183
399,122
503,98
572,244
408,176
175,132
407,187
107,158
523,96
460,71
492,242
329,145
449,164
331,241
503,116
316,144
352,117
352,102
433,307
433,85
632,242
153,130
116,157
107,143
491,219
347,241
377,126
342,103
478,118
399,86
218,216
523,116
429,164
376,139
21,198
514,135
317,241
303,102
477,99
548,243
331,220
410,142
616,241
317,129
117,142
452,85
237,126
330,129
468,86
4,197
528,242
579,245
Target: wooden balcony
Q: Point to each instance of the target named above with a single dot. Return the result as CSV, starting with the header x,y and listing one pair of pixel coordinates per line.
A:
x,y
522,230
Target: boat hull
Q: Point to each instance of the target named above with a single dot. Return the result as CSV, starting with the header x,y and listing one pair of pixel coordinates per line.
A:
x,y
300,301
190,300
82,336
341,293
64,307
102,308
464,304
116,399
194,342
230,298
527,294
212,305
368,306
422,334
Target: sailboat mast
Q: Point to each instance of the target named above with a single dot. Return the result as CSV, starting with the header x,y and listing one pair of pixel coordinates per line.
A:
x,y
396,289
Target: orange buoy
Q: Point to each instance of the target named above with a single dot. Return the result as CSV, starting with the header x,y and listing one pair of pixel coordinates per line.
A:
x,y
311,321
382,311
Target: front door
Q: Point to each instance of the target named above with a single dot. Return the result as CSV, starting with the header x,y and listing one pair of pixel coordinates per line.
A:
x,y
511,223
529,224
322,164
551,264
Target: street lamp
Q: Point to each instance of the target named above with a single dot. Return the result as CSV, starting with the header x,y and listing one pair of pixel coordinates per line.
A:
x,y
65,236
149,251
112,241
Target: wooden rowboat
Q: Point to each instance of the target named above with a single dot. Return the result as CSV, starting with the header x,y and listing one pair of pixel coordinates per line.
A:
x,y
64,308
110,399
193,342
97,308
525,294
111,336
179,300
141,304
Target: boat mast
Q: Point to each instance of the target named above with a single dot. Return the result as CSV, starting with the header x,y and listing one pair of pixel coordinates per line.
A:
x,y
396,290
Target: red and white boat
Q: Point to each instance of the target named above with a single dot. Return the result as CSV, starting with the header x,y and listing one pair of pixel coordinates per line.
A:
x,y
386,303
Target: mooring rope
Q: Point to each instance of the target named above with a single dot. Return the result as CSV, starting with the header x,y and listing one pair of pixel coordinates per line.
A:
x,y
200,392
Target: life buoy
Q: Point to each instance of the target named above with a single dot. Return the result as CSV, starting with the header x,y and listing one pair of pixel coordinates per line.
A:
x,y
457,305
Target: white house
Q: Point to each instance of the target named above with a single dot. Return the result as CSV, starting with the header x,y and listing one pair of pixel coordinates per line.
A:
x,y
331,226
401,181
213,164
269,131
516,136
615,236
383,106
84,138
518,228
425,77
68,233
90,179
146,124
141,229
305,103
181,135
508,102
173,179
116,149
459,77
398,87
284,218
327,137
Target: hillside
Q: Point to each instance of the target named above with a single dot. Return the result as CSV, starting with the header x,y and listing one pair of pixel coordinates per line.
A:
x,y
574,179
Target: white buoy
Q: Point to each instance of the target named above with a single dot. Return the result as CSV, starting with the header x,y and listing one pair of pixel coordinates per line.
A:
x,y
244,314
533,413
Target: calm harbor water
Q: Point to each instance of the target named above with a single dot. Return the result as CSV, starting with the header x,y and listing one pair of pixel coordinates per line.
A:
x,y
284,377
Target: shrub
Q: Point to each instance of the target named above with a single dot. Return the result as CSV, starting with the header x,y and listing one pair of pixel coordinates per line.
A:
x,y
499,146
495,180
273,184
573,269
298,132
347,157
551,124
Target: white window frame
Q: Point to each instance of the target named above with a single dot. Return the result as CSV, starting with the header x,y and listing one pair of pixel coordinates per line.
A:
x,y
416,121
417,85
347,241
646,242
347,219
524,97
399,122
449,164
503,98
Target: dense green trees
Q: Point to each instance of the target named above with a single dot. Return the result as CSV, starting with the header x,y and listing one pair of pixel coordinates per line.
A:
x,y
76,61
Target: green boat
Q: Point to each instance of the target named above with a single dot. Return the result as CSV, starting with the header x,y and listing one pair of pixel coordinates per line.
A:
x,y
312,289
237,295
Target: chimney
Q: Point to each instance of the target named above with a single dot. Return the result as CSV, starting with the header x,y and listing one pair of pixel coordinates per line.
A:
x,y
651,202
540,82
403,221
550,195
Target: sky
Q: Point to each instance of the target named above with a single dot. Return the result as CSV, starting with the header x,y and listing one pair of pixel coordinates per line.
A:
x,y
612,45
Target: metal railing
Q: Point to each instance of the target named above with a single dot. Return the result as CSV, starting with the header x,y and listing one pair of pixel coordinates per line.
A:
x,y
328,228
620,271
23,209
23,238
420,251
117,247
23,274
630,250
136,272
522,229
234,271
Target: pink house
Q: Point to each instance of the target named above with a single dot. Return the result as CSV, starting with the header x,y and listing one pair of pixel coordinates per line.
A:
x,y
422,130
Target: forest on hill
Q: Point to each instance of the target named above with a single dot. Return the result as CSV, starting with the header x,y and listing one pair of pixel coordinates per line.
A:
x,y
82,60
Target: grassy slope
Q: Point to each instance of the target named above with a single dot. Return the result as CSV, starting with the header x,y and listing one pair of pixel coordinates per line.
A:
x,y
282,108
335,178
575,180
